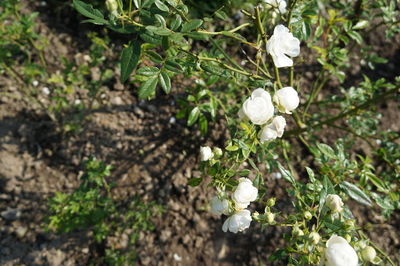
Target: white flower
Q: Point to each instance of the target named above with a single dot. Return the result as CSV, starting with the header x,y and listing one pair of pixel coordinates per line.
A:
x,y
338,252
287,99
280,4
206,153
334,203
45,90
244,193
238,222
273,130
219,206
258,107
368,254
281,45
35,83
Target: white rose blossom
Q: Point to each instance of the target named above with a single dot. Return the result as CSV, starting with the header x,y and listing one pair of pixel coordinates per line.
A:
x,y
287,99
338,252
244,193
281,45
258,108
206,153
279,4
334,203
273,130
219,206
237,222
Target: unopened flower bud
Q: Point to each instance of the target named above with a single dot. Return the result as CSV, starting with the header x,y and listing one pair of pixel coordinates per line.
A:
x,y
112,7
270,217
334,203
271,202
349,224
347,237
206,153
217,152
307,215
314,237
297,231
368,254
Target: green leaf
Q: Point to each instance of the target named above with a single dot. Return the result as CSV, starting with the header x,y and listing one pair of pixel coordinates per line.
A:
x,y
311,174
286,174
244,172
192,25
173,66
148,88
195,181
148,71
326,150
165,82
355,36
231,148
203,123
155,57
129,59
176,22
159,30
193,116
160,5
354,192
87,10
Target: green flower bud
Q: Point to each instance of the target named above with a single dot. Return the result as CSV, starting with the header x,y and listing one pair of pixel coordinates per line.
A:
x,y
307,215
112,7
297,231
270,217
314,237
368,254
217,152
271,202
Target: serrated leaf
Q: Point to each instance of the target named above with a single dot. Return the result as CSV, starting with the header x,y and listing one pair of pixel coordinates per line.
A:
x,y
148,71
192,25
356,193
165,82
148,88
129,59
193,116
173,66
195,181
155,57
87,10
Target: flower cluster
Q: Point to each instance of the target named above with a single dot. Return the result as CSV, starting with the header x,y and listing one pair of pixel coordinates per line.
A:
x,y
259,109
239,218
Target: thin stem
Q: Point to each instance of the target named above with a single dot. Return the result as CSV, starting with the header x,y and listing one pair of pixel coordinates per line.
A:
x,y
376,99
278,80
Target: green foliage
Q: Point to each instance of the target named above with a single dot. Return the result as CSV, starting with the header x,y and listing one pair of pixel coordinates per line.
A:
x,y
92,207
